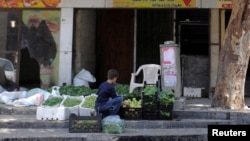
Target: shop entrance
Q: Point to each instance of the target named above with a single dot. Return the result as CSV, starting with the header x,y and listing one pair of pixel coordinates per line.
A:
x,y
193,38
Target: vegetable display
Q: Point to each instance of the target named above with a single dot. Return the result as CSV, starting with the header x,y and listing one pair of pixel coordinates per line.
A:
x,y
123,90
150,90
166,97
70,102
75,90
132,103
89,101
53,101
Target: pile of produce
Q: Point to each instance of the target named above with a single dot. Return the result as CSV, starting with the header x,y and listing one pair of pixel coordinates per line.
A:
x,y
150,90
123,90
53,101
132,103
75,90
89,101
166,97
70,102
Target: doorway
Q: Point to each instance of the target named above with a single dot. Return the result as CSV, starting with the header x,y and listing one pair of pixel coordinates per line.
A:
x,y
193,37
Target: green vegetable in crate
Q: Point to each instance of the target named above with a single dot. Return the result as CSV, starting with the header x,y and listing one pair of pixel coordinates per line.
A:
x,y
74,90
123,90
53,101
150,89
84,124
132,103
89,101
166,97
70,102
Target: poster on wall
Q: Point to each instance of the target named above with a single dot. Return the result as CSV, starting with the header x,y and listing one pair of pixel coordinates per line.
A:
x,y
169,66
227,4
29,3
40,35
155,3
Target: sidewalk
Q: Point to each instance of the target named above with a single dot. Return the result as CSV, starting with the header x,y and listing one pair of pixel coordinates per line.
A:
x,y
204,103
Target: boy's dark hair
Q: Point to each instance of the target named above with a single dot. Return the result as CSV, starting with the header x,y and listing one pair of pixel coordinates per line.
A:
x,y
112,73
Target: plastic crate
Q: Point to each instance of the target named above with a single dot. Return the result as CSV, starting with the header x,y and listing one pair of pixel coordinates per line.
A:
x,y
85,124
51,113
131,113
150,115
147,98
150,107
164,108
55,112
74,109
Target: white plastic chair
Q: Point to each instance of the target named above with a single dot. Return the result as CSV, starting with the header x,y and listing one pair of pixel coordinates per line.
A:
x,y
151,73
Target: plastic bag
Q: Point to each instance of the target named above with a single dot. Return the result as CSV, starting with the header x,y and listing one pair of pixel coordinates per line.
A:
x,y
113,124
8,97
55,91
37,91
34,100
83,77
2,89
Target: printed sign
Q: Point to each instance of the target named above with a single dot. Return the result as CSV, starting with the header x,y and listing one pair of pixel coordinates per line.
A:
x,y
168,56
169,66
224,4
29,3
155,3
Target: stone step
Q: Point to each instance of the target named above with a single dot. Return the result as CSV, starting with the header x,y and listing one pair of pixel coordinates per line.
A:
x,y
193,113
29,121
238,116
17,110
187,134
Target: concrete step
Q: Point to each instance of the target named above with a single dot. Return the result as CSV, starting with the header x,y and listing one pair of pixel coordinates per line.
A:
x,y
17,110
187,134
238,116
29,121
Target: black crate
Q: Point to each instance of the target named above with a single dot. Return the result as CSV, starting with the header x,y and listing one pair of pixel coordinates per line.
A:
x,y
166,109
85,124
131,113
150,115
150,106
147,98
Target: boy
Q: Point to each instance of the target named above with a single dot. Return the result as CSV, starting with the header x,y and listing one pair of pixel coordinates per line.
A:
x,y
107,102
